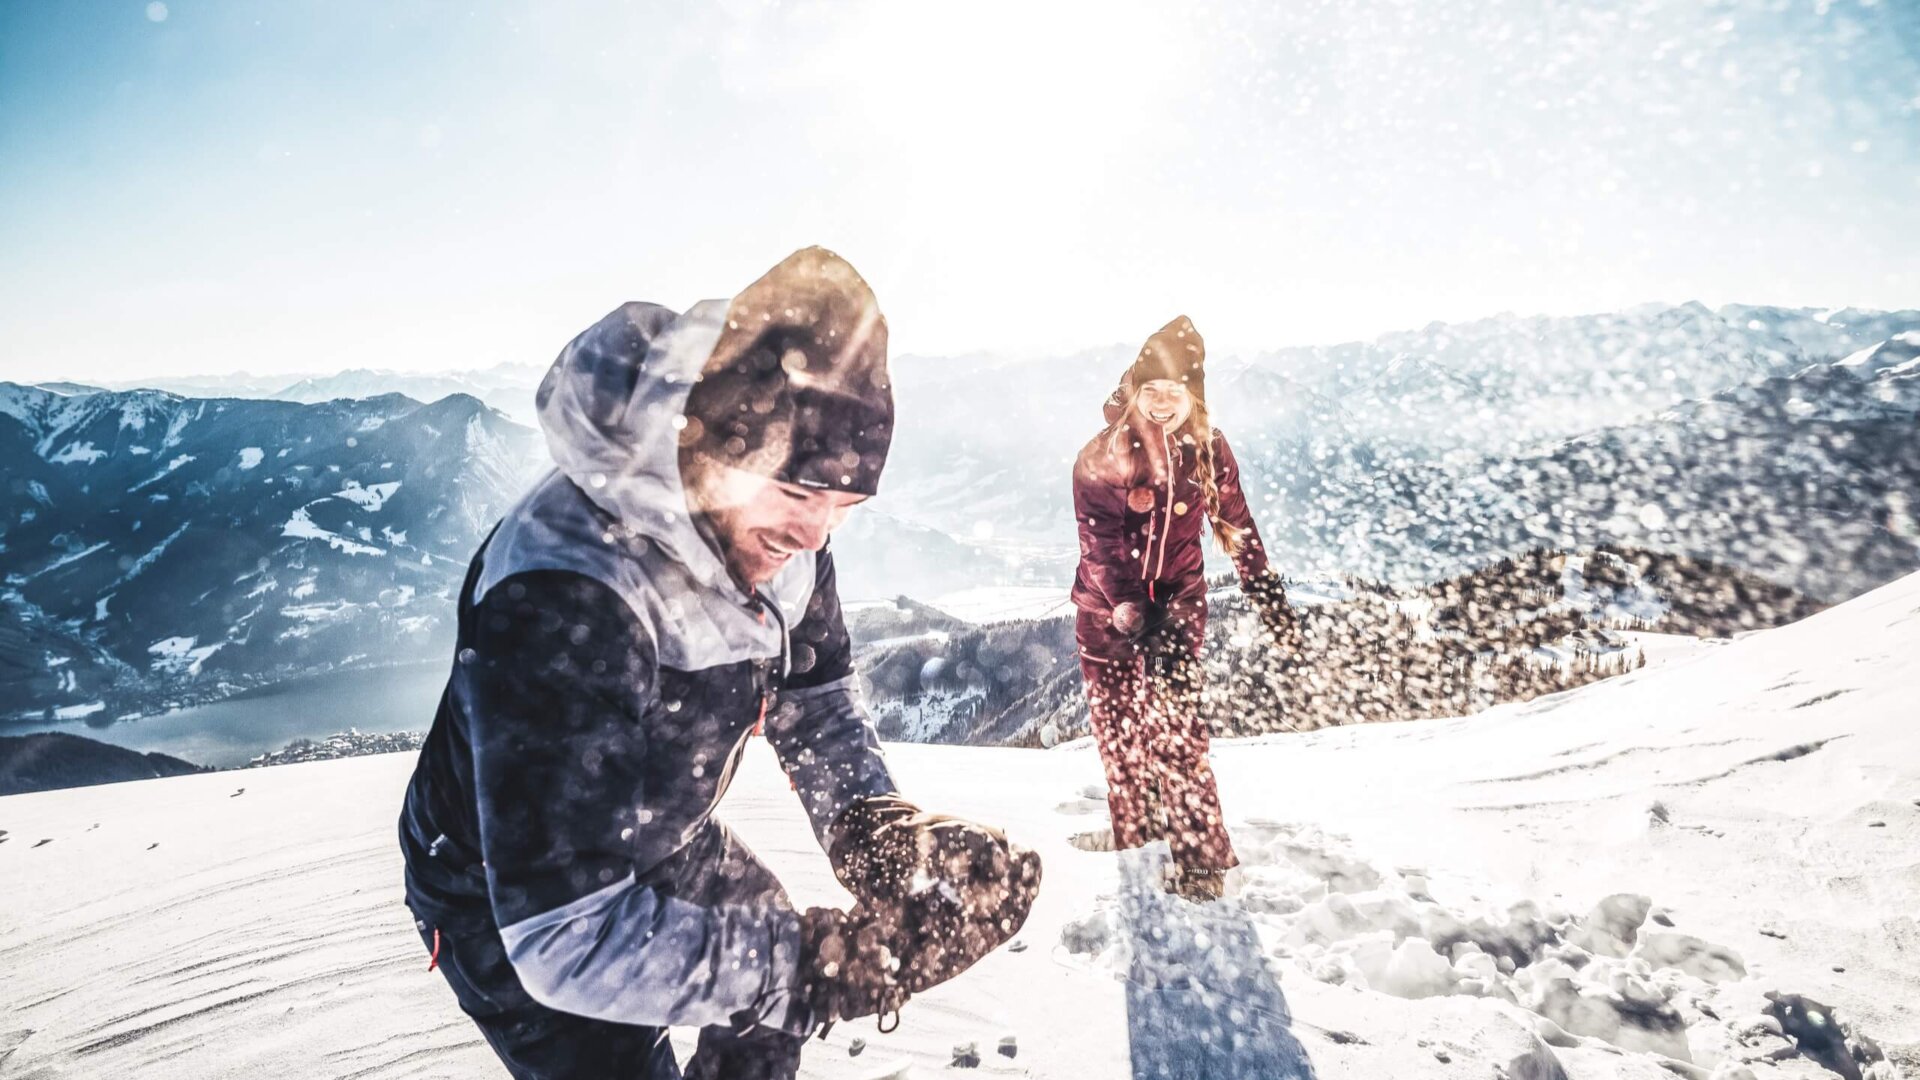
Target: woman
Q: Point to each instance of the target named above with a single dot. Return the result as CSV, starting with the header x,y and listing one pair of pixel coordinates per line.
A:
x,y
1140,489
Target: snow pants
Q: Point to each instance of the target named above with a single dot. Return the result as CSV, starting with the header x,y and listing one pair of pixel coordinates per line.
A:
x,y
1144,698
538,1043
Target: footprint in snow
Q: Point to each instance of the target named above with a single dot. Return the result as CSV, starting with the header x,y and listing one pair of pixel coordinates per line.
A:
x,y
45,842
1092,799
238,793
11,1041
1093,840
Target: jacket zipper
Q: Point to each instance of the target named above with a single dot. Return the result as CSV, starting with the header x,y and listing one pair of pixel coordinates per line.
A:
x,y
1149,572
766,604
1166,533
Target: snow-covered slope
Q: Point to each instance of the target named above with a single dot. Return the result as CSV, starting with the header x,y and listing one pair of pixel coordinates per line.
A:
x,y
1763,797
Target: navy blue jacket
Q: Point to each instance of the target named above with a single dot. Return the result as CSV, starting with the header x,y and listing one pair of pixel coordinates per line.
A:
x,y
608,675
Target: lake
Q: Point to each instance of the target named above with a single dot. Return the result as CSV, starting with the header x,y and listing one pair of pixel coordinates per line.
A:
x,y
232,732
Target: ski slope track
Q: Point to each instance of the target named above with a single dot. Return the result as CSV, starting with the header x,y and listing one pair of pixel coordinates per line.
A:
x,y
1603,883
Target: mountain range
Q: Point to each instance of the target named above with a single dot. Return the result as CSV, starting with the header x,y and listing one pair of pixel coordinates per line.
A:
x,y
159,549
507,387
1810,479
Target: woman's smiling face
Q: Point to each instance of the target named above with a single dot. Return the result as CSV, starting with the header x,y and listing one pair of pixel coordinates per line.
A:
x,y
1165,403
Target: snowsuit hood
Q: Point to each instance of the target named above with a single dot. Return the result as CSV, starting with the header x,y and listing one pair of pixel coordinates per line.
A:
x,y
1174,352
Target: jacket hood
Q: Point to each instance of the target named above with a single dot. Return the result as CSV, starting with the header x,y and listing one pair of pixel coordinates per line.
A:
x,y
612,408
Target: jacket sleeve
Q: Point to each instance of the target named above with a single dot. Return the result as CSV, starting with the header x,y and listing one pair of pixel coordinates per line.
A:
x,y
557,678
1100,512
1252,559
820,727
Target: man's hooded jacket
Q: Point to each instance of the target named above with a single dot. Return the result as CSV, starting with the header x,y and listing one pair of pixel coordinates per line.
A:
x,y
610,670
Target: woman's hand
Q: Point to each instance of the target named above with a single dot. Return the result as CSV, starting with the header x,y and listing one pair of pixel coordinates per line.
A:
x,y
1268,594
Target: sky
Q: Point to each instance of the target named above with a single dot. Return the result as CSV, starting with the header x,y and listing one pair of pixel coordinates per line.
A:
x,y
196,187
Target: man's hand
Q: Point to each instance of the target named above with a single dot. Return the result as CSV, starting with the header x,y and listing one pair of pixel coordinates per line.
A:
x,y
851,963
884,849
960,889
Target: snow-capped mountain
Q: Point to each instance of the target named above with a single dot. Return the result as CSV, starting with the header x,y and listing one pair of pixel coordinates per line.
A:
x,y
984,445
1808,479
506,387
1806,475
1898,355
1822,333
158,548
230,384
988,446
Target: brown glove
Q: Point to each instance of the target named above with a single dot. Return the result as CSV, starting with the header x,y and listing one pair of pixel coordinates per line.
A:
x,y
958,888
850,963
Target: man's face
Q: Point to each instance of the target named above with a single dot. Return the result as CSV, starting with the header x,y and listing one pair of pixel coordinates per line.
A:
x,y
761,523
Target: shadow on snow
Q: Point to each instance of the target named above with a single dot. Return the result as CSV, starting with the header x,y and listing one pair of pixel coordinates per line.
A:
x,y
1201,1003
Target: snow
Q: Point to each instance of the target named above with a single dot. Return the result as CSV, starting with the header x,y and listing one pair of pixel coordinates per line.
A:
x,y
1662,649
1641,602
177,426
79,712
994,603
251,456
181,655
319,612
163,473
70,557
372,497
140,565
79,452
301,527
1894,356
1662,848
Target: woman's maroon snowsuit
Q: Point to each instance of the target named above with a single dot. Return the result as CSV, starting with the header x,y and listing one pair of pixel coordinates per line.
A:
x,y
1140,542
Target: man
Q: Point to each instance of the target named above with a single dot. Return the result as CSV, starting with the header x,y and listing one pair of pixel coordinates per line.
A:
x,y
628,624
